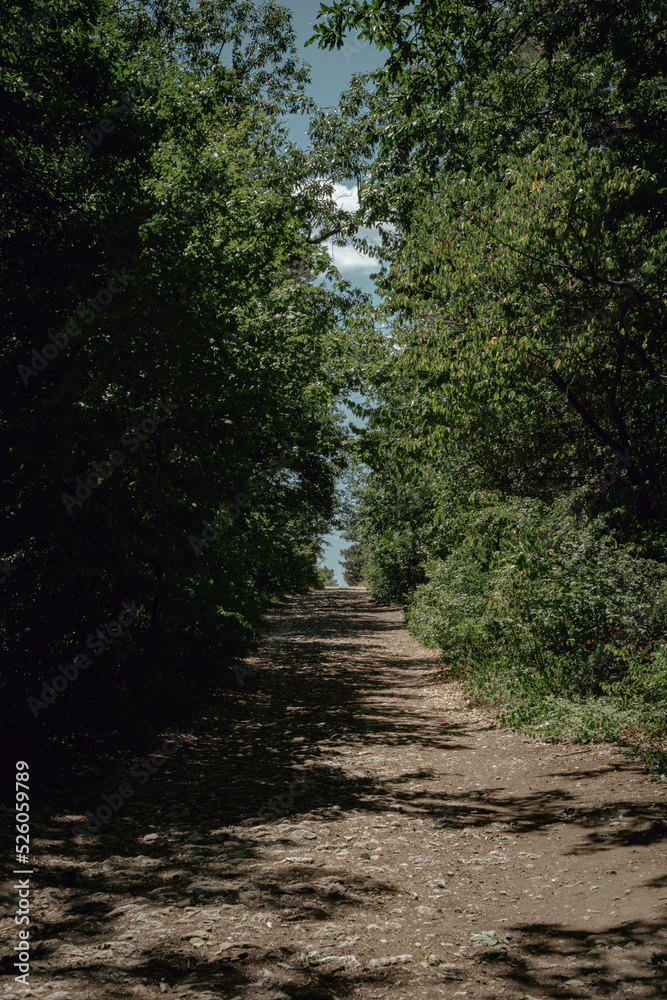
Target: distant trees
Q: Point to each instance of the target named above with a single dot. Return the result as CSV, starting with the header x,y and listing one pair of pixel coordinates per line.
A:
x,y
354,564
326,577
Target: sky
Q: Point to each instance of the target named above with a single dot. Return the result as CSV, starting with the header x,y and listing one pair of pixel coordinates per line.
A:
x,y
330,74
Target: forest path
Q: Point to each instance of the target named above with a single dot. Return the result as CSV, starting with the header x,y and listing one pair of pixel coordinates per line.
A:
x,y
397,824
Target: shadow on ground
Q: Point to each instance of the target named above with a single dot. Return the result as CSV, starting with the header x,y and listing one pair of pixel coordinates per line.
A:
x,y
170,844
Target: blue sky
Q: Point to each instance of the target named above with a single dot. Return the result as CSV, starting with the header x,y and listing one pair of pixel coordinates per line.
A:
x,y
330,75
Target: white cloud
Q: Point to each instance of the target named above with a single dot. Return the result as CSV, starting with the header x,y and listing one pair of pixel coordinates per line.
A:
x,y
350,262
346,197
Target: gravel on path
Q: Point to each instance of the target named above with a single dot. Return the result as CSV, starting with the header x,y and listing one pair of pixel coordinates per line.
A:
x,y
343,824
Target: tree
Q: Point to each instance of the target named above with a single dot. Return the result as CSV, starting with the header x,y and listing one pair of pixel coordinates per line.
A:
x,y
327,577
354,563
521,162
514,156
170,364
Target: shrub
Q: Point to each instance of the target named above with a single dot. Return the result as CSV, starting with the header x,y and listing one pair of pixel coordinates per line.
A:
x,y
553,621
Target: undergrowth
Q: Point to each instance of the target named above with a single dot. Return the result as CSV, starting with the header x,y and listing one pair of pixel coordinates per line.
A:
x,y
554,624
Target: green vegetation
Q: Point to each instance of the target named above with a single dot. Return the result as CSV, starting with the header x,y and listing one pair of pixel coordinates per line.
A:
x,y
516,422
353,565
173,361
170,365
326,577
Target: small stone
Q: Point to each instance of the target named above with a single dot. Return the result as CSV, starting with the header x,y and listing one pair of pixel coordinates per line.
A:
x,y
223,947
301,834
341,961
389,960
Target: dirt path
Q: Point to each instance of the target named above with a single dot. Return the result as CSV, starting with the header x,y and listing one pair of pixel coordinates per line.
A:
x,y
406,848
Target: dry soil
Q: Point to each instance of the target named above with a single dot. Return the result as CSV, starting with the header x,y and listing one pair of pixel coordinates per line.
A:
x,y
343,824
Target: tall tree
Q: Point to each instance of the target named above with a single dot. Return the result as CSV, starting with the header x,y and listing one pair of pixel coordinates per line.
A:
x,y
519,153
169,362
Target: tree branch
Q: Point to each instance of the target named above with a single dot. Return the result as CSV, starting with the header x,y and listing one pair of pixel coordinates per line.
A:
x,y
321,237
590,421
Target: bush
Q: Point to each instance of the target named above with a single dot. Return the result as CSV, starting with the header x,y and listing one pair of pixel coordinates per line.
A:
x,y
552,621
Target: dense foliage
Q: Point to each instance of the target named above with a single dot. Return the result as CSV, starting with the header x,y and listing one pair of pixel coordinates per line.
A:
x,y
172,358
514,158
170,446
